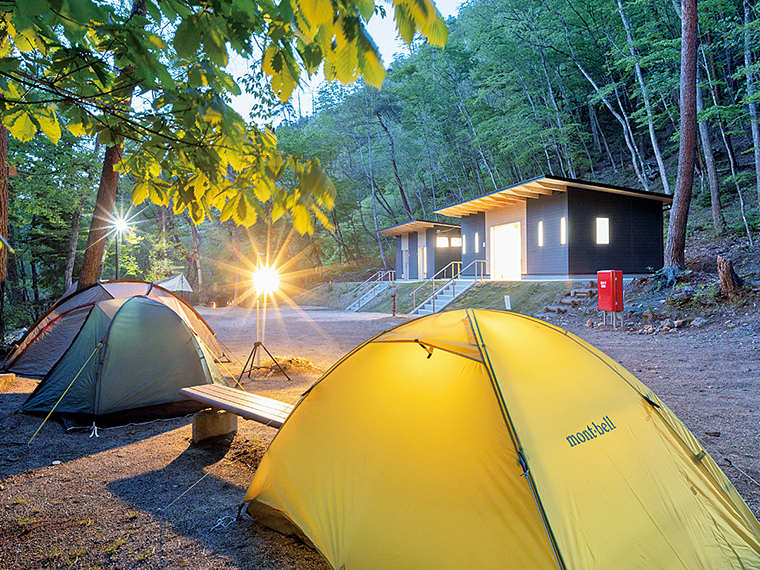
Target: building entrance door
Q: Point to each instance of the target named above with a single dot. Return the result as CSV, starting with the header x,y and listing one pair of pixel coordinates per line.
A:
x,y
506,252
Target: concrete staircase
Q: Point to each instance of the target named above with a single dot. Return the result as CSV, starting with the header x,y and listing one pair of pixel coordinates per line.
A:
x,y
367,293
443,296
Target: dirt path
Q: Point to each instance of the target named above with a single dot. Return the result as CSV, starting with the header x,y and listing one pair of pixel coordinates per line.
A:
x,y
143,497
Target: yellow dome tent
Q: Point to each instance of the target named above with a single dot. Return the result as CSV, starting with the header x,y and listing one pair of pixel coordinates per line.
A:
x,y
482,439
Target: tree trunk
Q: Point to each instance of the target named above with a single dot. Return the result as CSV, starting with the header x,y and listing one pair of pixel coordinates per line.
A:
x,y
712,173
195,259
729,151
71,253
162,229
402,192
645,97
374,200
101,219
35,288
3,222
109,182
557,117
679,213
315,253
627,134
729,280
750,92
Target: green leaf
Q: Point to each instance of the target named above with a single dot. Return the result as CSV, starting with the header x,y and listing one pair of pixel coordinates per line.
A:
x,y
302,219
366,8
158,196
244,214
153,11
228,210
276,64
370,64
47,120
214,39
438,33
404,23
20,125
187,40
317,12
286,10
140,192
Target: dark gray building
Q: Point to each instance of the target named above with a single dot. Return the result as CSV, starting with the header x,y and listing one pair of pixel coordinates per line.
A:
x,y
424,248
555,227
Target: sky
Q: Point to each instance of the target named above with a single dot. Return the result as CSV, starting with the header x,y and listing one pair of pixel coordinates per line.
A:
x,y
382,30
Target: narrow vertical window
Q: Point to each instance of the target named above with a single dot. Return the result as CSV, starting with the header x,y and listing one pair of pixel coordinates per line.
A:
x,y
540,234
464,244
602,231
477,242
563,230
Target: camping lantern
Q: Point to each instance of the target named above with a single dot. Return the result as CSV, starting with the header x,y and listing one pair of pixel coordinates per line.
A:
x,y
610,293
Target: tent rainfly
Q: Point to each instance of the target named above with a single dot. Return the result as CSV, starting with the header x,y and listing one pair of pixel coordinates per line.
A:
x,y
175,283
483,439
127,363
47,340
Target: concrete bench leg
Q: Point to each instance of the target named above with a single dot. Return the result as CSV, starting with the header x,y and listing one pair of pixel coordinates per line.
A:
x,y
213,423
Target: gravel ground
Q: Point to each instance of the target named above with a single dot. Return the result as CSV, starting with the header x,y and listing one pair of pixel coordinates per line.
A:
x,y
142,496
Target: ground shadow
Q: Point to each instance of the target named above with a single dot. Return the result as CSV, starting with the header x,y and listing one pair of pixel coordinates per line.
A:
x,y
194,502
54,443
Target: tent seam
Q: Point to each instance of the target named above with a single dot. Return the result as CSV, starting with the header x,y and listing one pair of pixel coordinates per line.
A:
x,y
515,439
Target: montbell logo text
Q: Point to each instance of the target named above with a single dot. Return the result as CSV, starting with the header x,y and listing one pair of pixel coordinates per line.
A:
x,y
591,432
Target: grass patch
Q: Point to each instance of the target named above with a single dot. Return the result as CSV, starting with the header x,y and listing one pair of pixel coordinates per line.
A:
x,y
383,303
331,295
73,556
526,297
144,555
115,545
51,553
18,501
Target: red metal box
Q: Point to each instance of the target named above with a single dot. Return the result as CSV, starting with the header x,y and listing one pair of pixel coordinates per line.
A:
x,y
609,286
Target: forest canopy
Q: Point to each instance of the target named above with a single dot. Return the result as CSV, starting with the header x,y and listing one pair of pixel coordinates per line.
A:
x,y
583,89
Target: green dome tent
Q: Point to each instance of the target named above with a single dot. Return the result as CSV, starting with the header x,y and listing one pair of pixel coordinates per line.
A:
x,y
48,338
490,440
127,363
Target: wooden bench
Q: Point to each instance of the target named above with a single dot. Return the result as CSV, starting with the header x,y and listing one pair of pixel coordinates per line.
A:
x,y
235,403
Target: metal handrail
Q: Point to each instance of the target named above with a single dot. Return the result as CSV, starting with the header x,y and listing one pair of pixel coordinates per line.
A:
x,y
363,283
477,262
362,290
432,279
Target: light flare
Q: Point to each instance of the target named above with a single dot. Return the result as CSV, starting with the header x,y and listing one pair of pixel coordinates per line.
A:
x,y
266,279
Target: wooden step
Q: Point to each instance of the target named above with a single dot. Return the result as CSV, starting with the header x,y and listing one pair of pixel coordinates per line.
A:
x,y
587,292
555,309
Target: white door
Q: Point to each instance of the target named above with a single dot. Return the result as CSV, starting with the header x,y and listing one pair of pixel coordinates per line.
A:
x,y
421,262
405,264
506,252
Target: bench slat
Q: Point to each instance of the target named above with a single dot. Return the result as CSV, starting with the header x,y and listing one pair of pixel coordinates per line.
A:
x,y
244,404
238,397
